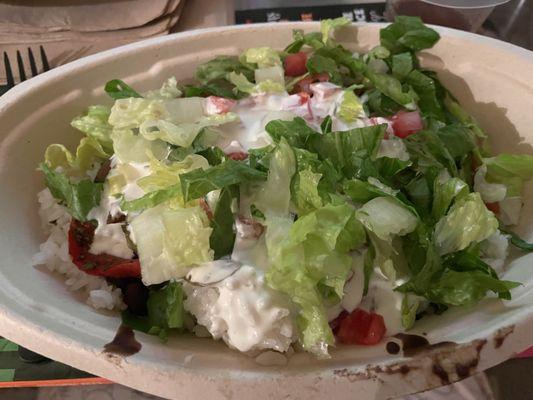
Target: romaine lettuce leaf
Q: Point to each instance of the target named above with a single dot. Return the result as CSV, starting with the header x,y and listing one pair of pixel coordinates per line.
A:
x,y
444,193
222,238
306,197
169,90
274,74
219,67
79,197
129,147
117,89
262,56
468,221
170,241
318,63
88,152
296,131
347,150
163,183
328,26
244,85
94,124
182,134
512,170
402,65
408,33
490,192
456,288
165,174
386,217
165,309
273,196
350,108
313,255
392,88
198,183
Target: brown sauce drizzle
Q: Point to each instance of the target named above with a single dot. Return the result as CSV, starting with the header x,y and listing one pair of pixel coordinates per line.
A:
x,y
415,344
124,342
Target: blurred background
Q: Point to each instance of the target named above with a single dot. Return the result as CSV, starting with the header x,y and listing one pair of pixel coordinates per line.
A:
x,y
70,29
36,35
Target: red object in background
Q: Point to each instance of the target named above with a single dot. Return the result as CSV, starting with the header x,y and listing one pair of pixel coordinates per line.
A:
x,y
361,327
295,64
494,207
80,237
406,123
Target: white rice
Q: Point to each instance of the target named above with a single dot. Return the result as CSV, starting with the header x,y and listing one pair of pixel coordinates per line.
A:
x,y
54,255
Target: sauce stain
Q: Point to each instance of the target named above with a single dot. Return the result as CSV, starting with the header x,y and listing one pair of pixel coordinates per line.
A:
x,y
415,344
124,342
441,373
393,348
501,335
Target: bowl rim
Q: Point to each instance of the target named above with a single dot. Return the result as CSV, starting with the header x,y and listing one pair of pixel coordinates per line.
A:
x,y
11,321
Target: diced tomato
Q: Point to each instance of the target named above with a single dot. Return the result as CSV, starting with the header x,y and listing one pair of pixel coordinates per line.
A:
x,y
406,123
336,323
361,327
494,207
80,237
238,155
303,85
219,105
321,77
304,97
207,209
295,64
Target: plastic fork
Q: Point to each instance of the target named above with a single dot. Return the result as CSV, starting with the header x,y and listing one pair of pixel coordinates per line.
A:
x,y
34,70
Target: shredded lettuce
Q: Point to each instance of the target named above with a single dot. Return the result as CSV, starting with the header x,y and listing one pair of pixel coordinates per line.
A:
x,y
244,85
386,217
273,196
313,256
88,152
262,56
511,170
328,26
306,196
129,147
468,221
408,33
350,108
170,241
169,90
94,124
274,74
182,134
79,197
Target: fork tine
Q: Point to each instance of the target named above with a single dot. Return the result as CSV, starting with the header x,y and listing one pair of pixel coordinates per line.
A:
x,y
44,60
20,63
33,66
10,80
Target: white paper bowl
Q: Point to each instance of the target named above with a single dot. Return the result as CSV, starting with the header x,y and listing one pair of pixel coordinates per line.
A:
x,y
492,79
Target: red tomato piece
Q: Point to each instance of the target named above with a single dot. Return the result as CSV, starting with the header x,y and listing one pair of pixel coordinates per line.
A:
x,y
80,237
494,207
304,97
302,86
238,155
406,123
295,64
361,327
219,105
207,209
